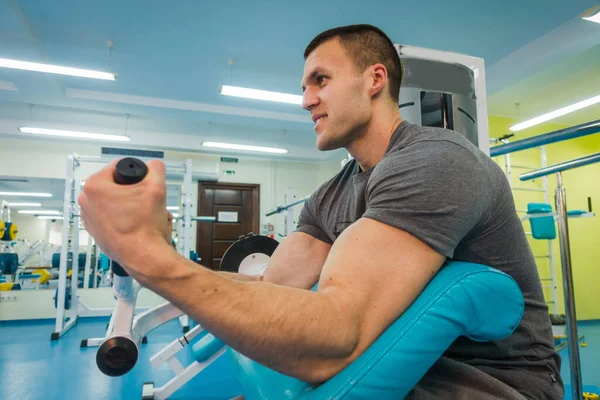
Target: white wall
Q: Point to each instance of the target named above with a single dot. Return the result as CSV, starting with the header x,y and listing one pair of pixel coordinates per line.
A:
x,y
39,304
30,227
55,236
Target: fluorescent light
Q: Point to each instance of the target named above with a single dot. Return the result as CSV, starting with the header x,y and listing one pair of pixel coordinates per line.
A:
x,y
175,215
40,212
230,146
555,114
25,194
49,217
595,17
73,134
261,94
172,208
25,204
55,69
5,85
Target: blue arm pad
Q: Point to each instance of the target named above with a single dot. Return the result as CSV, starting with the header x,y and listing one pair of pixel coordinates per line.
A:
x,y
206,346
462,299
29,276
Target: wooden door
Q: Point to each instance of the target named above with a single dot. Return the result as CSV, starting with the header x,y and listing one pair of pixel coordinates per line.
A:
x,y
236,209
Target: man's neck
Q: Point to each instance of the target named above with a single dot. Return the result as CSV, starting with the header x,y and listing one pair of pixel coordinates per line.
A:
x,y
370,148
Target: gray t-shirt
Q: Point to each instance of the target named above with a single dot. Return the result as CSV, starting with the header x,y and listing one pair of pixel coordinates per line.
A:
x,y
436,185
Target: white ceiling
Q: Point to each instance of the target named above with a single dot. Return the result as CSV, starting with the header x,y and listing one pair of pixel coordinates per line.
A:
x,y
171,61
566,72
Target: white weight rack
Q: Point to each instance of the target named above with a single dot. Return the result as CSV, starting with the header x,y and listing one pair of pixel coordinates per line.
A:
x,y
67,318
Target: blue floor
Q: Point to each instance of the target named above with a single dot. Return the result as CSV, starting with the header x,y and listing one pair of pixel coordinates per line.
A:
x,y
590,358
32,367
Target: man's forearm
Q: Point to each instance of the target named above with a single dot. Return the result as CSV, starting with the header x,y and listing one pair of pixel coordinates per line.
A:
x,y
298,332
241,277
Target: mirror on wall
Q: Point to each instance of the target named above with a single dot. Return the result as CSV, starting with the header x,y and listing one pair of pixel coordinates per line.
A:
x,y
31,215
31,211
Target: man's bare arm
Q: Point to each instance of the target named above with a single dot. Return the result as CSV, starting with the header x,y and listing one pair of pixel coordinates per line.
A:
x,y
372,275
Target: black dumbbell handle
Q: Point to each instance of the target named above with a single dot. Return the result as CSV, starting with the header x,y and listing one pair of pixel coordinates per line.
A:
x,y
128,172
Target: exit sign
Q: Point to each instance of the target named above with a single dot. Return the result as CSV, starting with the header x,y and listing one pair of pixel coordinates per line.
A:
x,y
229,159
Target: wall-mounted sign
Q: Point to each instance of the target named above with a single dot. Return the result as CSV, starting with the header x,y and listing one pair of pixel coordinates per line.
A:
x,y
114,151
227,216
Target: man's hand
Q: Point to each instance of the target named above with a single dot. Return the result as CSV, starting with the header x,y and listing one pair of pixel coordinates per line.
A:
x,y
127,219
169,231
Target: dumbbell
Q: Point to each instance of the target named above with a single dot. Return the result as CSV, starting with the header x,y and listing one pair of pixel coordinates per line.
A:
x,y
119,352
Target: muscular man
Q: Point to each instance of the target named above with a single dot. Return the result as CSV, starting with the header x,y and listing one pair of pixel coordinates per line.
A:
x,y
373,237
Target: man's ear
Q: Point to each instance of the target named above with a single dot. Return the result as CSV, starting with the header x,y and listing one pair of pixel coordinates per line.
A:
x,y
379,78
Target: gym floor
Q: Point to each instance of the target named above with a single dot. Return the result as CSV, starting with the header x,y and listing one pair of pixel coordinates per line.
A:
x,y
33,367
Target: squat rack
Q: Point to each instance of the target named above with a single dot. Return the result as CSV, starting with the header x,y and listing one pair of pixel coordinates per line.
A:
x,y
67,318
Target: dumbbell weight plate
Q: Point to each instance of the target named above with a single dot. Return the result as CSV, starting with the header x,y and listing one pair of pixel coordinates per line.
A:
x,y
242,251
11,231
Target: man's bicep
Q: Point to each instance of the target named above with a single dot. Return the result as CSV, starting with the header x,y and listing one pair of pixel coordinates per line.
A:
x,y
375,272
297,261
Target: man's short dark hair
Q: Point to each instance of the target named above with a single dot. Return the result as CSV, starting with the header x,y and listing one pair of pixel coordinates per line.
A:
x,y
366,45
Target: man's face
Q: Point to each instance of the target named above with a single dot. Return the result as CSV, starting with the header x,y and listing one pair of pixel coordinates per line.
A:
x,y
336,95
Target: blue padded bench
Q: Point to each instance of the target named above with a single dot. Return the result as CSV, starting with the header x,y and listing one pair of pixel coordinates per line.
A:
x,y
463,299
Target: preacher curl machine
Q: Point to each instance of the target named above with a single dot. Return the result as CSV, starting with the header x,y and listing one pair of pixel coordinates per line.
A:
x,y
118,354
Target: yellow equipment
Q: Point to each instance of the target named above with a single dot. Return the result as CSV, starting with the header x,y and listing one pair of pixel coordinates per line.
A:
x,y
10,231
44,275
2,229
7,286
560,337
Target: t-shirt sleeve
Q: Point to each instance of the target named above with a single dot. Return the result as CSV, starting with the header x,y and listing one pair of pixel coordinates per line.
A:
x,y
437,191
308,221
